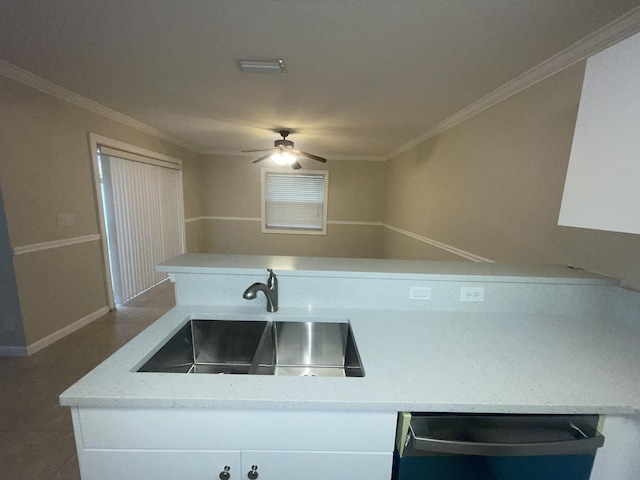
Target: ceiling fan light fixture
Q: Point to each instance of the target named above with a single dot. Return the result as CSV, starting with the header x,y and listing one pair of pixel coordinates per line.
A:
x,y
284,153
262,66
283,158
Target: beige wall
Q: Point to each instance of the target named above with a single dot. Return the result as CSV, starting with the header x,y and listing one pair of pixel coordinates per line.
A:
x,y
193,172
11,331
402,247
492,186
343,241
45,169
59,286
356,194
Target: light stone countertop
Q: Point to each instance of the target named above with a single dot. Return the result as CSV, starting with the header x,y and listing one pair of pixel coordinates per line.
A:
x,y
413,361
376,268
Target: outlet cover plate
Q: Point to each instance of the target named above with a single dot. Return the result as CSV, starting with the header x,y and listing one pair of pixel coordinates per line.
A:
x,y
472,294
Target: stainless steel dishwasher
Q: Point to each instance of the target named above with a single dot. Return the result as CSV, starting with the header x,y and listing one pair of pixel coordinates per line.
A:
x,y
495,447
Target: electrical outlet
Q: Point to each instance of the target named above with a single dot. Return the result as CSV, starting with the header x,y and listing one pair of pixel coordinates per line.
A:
x,y
472,294
419,293
9,324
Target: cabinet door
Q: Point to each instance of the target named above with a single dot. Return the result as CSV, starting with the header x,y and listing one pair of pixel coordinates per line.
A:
x,y
618,458
158,465
315,465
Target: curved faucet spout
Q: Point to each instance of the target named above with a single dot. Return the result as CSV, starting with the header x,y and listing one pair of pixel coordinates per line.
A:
x,y
270,291
252,292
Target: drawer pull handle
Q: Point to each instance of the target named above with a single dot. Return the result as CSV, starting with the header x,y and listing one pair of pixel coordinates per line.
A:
x,y
253,473
225,475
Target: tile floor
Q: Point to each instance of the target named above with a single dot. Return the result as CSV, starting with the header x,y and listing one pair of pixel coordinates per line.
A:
x,y
36,435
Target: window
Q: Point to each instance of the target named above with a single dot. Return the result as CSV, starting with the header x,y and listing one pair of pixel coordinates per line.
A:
x,y
294,202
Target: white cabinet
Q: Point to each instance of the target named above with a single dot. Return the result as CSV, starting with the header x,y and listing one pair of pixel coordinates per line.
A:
x,y
601,187
159,465
175,444
294,465
618,458
209,465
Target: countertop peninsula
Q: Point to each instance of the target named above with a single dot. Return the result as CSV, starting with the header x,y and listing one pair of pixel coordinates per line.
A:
x,y
459,360
376,268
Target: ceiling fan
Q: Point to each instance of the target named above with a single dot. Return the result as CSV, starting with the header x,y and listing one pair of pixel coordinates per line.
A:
x,y
283,152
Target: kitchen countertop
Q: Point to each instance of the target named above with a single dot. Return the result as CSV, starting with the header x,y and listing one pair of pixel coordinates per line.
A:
x,y
376,268
420,361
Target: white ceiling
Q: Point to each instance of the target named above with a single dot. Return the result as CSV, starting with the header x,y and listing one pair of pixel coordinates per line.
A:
x,y
364,77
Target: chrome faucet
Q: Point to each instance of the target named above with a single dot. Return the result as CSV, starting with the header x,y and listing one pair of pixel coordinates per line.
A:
x,y
270,291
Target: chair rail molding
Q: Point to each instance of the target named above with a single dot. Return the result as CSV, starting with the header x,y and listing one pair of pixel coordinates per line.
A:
x,y
434,243
65,242
442,246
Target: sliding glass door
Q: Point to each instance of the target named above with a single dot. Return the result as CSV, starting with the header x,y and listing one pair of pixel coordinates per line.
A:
x,y
144,218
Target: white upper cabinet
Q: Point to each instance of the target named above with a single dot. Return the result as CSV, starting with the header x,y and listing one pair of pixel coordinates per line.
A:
x,y
602,188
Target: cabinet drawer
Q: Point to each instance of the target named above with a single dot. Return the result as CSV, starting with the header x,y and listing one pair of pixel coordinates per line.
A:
x,y
158,465
207,465
317,465
193,429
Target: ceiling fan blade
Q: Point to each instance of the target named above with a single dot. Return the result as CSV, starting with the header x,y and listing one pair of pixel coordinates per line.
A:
x,y
310,155
296,166
264,157
254,151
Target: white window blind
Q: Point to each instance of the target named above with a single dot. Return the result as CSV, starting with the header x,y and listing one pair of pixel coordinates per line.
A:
x,y
294,202
145,222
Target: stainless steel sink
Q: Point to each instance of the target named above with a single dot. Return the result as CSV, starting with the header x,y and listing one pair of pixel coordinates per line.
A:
x,y
209,346
260,348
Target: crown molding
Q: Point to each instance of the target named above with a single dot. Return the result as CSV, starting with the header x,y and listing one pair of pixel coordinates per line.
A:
x,y
612,33
45,86
621,28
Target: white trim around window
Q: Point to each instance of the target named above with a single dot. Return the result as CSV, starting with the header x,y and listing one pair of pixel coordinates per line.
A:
x,y
294,202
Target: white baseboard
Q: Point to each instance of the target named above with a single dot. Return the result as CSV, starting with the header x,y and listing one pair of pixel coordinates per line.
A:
x,y
63,332
13,351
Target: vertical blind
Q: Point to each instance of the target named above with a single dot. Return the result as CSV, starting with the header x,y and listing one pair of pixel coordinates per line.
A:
x,y
145,222
294,201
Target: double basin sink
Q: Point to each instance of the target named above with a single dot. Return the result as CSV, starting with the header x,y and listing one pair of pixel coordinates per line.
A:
x,y
252,347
